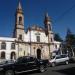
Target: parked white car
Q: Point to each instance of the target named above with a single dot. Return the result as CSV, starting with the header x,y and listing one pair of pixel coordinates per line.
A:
x,y
59,59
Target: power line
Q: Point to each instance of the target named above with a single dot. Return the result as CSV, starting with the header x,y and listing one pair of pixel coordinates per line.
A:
x,y
62,15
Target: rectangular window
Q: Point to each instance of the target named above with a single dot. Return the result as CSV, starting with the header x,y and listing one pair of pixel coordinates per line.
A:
x,y
56,46
51,40
38,38
13,46
3,45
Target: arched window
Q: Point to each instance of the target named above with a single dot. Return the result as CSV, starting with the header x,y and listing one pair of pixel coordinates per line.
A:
x,y
3,45
2,55
13,55
20,20
13,46
20,37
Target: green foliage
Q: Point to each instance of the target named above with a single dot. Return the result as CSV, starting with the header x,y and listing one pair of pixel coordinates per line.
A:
x,y
70,39
70,42
57,37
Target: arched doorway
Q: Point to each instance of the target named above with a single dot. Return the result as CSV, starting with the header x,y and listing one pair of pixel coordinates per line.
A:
x,y
13,55
2,55
38,53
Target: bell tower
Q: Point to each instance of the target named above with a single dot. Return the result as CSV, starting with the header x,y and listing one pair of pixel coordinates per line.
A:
x,y
49,32
47,23
48,28
19,23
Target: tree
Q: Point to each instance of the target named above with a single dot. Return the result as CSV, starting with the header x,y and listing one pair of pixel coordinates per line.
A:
x,y
57,37
70,41
70,38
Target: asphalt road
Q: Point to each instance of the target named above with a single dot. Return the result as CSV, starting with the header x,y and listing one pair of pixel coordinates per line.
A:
x,y
58,70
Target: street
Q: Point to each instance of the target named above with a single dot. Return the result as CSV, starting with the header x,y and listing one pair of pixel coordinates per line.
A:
x,y
58,70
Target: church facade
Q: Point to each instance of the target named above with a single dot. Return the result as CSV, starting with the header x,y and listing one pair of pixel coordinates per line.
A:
x,y
36,41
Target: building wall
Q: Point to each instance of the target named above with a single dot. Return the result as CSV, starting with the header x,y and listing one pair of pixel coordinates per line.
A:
x,y
32,35
8,49
24,48
57,45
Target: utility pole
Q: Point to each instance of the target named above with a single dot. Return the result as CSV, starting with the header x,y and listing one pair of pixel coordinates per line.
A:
x,y
30,39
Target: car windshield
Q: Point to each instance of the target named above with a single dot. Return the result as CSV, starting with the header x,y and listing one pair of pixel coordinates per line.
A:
x,y
19,59
63,56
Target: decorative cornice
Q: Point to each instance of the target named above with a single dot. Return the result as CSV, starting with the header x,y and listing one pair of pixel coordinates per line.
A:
x,y
19,28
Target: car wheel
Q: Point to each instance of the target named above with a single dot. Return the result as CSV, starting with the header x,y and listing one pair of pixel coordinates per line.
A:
x,y
67,62
9,72
53,64
42,68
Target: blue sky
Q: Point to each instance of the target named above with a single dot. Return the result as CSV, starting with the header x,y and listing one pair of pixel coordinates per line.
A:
x,y
62,13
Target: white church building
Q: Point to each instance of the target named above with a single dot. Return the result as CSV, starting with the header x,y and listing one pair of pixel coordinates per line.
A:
x,y
36,41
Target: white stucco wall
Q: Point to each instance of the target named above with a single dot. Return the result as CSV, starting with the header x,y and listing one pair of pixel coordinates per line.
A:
x,y
43,39
8,49
32,35
57,43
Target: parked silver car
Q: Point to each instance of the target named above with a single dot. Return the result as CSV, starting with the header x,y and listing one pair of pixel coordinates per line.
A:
x,y
59,59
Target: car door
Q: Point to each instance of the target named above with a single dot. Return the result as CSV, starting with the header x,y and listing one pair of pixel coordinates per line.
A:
x,y
58,59
64,58
25,64
32,64
20,66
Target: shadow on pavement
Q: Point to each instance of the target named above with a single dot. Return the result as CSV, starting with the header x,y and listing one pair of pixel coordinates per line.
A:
x,y
68,71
